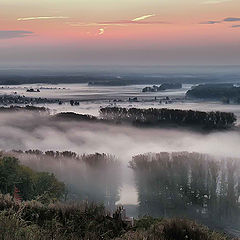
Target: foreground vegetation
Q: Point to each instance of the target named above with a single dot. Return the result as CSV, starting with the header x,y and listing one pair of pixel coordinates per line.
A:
x,y
35,221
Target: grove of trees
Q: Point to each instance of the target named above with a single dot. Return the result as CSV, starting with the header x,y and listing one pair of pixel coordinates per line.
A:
x,y
215,91
163,116
92,177
31,184
192,185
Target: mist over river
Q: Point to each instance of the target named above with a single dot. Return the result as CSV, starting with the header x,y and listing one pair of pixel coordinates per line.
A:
x,y
25,130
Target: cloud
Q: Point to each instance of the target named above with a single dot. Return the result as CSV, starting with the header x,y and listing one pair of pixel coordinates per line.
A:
x,y
41,18
14,34
216,1
128,22
228,19
232,19
138,20
122,23
101,31
143,17
235,26
210,22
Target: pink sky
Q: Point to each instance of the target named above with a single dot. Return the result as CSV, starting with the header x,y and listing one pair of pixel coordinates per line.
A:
x,y
145,31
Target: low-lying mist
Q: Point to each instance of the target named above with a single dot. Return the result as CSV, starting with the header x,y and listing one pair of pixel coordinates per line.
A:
x,y
24,131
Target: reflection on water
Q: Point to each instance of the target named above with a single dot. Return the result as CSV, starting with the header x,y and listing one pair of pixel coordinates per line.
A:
x,y
189,185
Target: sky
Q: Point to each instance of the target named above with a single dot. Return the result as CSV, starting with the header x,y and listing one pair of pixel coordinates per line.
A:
x,y
124,32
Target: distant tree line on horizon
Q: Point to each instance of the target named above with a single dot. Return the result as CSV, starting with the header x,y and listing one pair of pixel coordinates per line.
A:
x,y
98,79
163,116
225,92
162,87
29,108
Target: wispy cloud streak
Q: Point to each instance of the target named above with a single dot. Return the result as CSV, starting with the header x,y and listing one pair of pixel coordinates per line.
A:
x,y
117,23
127,22
136,21
143,17
41,18
232,19
211,22
14,34
216,1
228,19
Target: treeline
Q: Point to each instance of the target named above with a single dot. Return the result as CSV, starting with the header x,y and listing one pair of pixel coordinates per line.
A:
x,y
74,117
93,177
17,80
224,92
96,159
162,87
29,108
33,220
30,184
163,116
192,185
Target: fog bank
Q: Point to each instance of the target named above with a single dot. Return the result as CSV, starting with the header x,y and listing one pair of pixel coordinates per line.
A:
x,y
24,131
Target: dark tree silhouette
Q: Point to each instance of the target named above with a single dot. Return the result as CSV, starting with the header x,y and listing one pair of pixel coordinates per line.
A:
x,y
192,185
169,117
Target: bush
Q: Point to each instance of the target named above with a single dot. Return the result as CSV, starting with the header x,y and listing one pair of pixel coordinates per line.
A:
x,y
32,220
171,229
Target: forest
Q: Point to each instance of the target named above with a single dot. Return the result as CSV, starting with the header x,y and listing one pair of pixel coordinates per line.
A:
x,y
40,187
224,92
169,117
28,108
43,208
31,184
194,185
151,117
162,87
95,177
